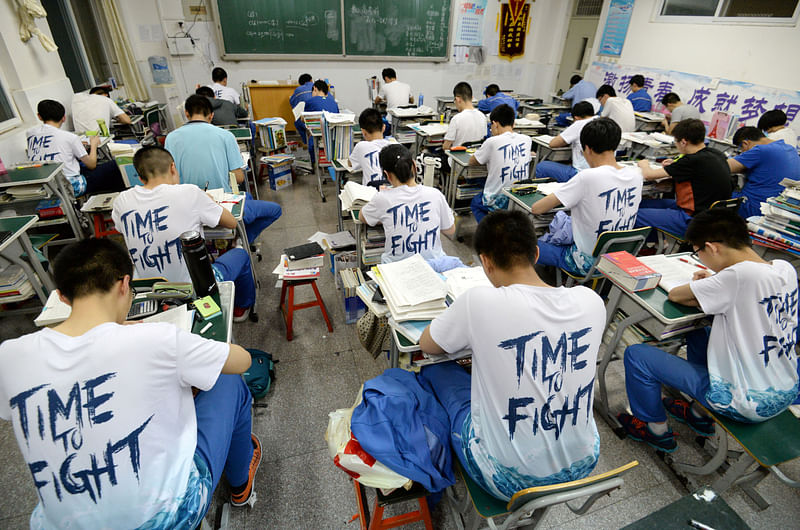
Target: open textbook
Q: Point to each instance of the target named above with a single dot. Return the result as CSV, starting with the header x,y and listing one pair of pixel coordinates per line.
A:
x,y
675,270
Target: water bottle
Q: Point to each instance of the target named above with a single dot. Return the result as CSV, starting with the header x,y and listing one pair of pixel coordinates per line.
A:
x,y
160,70
198,262
420,99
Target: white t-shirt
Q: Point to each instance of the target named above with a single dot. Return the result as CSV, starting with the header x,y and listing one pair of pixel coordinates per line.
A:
x,y
621,111
47,144
507,158
600,199
225,92
533,366
469,125
786,134
88,108
395,94
365,157
116,395
152,221
752,365
572,135
412,218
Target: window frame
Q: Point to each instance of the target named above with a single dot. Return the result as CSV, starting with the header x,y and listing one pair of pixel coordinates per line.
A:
x,y
14,120
717,19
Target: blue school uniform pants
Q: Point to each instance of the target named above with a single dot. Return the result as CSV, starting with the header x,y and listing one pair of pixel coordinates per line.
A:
x,y
301,130
234,266
750,207
547,169
258,215
479,210
664,214
554,255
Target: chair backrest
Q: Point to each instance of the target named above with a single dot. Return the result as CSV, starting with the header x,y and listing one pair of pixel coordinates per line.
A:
x,y
615,241
728,204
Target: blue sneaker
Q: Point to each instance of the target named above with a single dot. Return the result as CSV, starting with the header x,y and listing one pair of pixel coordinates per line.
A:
x,y
638,430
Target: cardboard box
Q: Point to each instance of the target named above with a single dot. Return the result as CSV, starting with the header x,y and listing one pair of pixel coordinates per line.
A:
x,y
280,177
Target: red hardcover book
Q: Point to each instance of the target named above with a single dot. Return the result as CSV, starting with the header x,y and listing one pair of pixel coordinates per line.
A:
x,y
628,271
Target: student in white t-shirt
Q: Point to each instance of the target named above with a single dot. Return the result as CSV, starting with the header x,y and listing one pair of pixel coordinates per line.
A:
x,y
365,154
745,367
413,216
469,125
153,216
604,197
125,443
523,418
618,109
773,124
583,112
48,143
220,87
87,109
393,92
507,156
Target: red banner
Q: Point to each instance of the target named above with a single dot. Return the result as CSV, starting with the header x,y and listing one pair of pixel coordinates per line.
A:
x,y
514,20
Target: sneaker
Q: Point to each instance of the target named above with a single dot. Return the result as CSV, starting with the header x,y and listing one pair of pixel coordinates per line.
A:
x,y
240,314
638,430
244,496
681,410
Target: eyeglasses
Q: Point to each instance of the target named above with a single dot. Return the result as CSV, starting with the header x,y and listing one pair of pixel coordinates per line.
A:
x,y
694,255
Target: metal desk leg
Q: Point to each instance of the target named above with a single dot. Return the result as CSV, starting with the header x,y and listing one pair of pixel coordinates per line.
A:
x,y
242,233
44,277
359,248
67,206
394,353
339,186
317,169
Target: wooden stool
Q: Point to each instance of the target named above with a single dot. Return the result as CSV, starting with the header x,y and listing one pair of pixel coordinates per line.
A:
x,y
290,307
381,501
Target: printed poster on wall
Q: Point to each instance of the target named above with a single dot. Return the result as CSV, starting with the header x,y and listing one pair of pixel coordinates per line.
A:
x,y
469,26
619,16
514,19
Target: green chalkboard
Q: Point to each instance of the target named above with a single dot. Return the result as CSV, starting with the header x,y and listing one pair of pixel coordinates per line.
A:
x,y
286,27
398,28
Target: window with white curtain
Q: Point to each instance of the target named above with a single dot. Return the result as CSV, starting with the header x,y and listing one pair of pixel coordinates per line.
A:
x,y
778,12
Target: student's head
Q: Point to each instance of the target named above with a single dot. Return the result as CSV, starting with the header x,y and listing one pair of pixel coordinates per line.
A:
x,y
371,121
155,162
50,110
219,75
770,119
491,90
198,108
388,74
670,100
462,94
100,91
397,163
599,136
505,240
95,267
320,88
605,92
689,131
637,82
582,110
304,78
574,80
714,233
502,116
746,137
204,91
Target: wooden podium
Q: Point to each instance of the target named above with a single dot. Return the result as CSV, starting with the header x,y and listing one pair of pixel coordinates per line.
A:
x,y
272,101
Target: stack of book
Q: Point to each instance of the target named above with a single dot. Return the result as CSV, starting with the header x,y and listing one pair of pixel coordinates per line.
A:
x,y
49,208
462,279
14,285
272,133
338,135
304,256
627,271
354,195
30,191
412,289
373,240
313,122
279,170
354,308
779,225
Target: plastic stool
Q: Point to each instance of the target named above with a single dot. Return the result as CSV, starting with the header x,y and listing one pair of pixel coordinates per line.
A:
x,y
381,501
290,307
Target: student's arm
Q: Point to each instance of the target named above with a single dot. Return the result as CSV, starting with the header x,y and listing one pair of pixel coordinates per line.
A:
x,y
683,295
90,160
474,161
124,118
241,112
736,166
447,144
649,173
239,173
428,345
227,220
558,141
238,360
546,204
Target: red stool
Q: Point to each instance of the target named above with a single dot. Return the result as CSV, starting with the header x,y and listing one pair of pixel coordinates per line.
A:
x,y
290,307
381,501
103,226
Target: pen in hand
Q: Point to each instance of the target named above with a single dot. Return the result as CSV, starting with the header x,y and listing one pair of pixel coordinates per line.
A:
x,y
206,187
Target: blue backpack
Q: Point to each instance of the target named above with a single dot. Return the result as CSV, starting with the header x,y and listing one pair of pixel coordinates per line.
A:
x,y
261,373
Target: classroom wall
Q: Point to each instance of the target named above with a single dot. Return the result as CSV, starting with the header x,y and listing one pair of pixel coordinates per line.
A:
x,y
534,73
762,55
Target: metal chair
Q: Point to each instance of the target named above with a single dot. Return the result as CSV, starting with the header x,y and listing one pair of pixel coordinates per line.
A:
x,y
611,241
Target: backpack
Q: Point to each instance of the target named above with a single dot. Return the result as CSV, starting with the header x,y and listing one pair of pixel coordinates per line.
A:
x,y
260,374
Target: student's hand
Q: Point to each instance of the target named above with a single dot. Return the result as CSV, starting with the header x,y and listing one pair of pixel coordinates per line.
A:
x,y
666,162
699,275
94,141
643,164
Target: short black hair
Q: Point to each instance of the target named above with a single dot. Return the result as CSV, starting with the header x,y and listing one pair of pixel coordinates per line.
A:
x,y
606,90
637,80
574,80
601,135
195,105
90,266
747,133
370,120
718,225
152,161
691,130
204,91
389,73
504,115
218,74
397,160
463,90
508,238
670,99
50,110
321,85
102,90
491,90
771,118
582,109
304,78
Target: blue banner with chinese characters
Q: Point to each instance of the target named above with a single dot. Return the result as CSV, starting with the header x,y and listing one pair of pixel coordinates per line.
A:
x,y
619,17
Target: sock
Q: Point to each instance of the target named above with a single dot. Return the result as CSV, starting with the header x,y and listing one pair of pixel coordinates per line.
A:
x,y
696,412
658,429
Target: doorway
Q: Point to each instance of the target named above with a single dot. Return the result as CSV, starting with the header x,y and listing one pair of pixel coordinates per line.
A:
x,y
585,16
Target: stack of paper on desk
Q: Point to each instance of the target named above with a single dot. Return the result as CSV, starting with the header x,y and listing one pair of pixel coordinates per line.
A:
x,y
432,129
226,200
544,138
462,279
525,123
355,195
663,138
412,289
546,188
674,270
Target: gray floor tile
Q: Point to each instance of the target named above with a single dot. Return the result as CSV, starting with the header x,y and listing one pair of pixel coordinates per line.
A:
x,y
20,496
21,522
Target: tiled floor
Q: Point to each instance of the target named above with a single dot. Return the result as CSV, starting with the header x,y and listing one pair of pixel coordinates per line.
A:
x,y
298,486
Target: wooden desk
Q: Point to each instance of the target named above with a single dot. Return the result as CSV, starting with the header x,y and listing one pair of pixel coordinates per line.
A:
x,y
272,101
12,248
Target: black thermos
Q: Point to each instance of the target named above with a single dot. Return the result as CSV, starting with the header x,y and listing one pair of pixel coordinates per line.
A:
x,y
199,263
